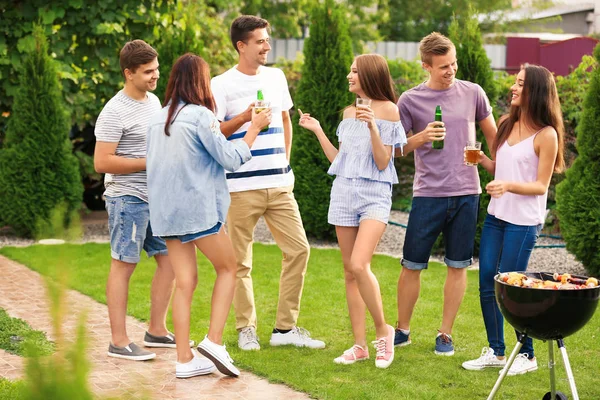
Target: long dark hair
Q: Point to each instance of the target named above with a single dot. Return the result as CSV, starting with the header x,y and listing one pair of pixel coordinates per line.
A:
x,y
374,77
189,82
540,107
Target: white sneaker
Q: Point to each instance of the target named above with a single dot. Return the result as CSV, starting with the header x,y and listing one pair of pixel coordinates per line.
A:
x,y
522,365
298,337
248,339
219,356
486,360
195,367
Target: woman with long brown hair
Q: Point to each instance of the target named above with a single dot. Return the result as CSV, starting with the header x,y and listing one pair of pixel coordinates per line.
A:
x,y
526,151
361,196
188,199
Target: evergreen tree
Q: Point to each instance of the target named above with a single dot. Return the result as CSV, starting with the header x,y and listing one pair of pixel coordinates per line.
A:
x,y
474,66
322,92
578,196
38,172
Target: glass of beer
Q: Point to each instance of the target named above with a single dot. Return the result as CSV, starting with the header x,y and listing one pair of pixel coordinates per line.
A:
x,y
261,105
472,153
362,103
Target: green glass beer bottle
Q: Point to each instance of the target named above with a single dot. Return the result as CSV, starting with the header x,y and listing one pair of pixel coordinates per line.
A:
x,y
439,144
260,105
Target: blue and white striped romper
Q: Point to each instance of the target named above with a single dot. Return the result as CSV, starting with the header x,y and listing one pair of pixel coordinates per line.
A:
x,y
360,190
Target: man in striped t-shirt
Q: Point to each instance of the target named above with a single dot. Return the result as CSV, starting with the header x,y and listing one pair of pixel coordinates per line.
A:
x,y
263,186
120,153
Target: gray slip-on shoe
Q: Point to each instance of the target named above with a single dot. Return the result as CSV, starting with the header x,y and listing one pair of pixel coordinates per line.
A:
x,y
162,341
130,352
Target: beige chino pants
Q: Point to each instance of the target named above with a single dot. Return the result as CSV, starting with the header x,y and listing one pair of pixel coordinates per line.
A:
x,y
280,210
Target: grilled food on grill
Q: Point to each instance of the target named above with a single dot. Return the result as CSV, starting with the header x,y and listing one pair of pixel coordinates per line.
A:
x,y
561,281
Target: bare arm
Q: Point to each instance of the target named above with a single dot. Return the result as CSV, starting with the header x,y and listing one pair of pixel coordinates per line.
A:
x,y
106,161
229,127
287,133
433,132
382,153
488,126
310,123
547,150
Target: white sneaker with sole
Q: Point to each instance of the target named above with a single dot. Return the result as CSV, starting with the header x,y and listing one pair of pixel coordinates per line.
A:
x,y
487,360
219,356
522,365
195,367
298,337
248,339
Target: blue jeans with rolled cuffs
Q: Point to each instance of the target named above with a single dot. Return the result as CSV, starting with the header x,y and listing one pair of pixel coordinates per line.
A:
x,y
455,217
504,247
130,230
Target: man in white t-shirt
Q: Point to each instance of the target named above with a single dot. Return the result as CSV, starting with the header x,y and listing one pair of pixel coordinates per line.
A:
x,y
263,187
120,153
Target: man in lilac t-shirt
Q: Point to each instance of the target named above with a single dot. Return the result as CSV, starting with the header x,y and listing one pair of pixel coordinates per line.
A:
x,y
445,191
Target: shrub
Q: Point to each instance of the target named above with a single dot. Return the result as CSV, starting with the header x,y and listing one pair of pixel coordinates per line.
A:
x,y
38,171
579,193
475,66
323,92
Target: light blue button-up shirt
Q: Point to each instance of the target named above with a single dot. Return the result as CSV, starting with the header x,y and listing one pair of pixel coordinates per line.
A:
x,y
187,189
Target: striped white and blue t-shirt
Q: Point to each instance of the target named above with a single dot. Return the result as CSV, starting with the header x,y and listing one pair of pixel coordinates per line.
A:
x,y
233,92
124,120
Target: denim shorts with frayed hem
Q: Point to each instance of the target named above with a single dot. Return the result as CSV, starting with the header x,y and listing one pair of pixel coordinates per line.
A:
x,y
190,237
130,231
455,217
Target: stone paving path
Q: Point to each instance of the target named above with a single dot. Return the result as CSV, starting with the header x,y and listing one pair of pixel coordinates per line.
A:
x,y
23,295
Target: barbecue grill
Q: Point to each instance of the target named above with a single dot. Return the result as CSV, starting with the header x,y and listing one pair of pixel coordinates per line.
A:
x,y
545,314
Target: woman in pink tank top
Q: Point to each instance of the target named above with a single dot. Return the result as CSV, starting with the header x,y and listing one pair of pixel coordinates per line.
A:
x,y
527,150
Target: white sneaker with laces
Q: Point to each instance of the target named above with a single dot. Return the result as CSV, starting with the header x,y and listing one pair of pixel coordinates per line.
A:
x,y
486,360
195,367
522,365
298,337
219,356
248,339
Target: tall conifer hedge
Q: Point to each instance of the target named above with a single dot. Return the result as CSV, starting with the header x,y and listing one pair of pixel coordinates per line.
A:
x,y
38,172
475,66
322,92
578,195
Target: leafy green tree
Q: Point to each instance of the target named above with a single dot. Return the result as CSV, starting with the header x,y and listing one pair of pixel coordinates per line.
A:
x,y
411,20
190,27
474,66
323,92
38,172
578,195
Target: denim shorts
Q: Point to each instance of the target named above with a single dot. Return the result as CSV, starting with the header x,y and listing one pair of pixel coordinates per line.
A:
x,y
130,231
455,217
354,200
190,237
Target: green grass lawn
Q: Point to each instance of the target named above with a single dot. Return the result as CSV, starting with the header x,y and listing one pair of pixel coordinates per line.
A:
x,y
16,335
416,372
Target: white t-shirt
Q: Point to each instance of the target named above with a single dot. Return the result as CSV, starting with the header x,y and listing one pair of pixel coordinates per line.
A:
x,y
233,92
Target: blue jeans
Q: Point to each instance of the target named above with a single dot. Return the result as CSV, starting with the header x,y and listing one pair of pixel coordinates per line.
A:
x,y
130,230
504,247
455,217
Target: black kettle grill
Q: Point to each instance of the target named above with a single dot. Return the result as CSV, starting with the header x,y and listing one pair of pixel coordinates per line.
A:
x,y
548,315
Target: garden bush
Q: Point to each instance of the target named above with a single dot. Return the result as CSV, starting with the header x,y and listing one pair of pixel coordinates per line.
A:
x,y
38,172
322,92
475,66
578,195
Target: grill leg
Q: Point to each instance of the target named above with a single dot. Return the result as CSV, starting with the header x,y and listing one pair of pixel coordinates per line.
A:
x,y
551,365
509,362
563,351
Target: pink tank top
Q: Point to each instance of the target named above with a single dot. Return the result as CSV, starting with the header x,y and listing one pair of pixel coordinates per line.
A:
x,y
518,163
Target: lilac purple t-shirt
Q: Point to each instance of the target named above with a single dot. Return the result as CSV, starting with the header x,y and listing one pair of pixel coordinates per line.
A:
x,y
442,173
